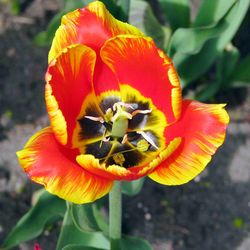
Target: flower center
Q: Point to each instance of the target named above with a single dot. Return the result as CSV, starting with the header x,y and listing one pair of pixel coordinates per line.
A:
x,y
121,133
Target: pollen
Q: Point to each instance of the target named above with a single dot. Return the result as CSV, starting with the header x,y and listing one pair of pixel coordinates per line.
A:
x,y
142,145
119,158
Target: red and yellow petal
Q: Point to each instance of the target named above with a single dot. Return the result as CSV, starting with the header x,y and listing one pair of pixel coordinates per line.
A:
x,y
114,26
202,128
115,172
69,80
49,163
137,62
90,26
112,172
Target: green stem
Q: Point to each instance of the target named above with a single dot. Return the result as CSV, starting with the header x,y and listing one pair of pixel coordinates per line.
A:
x,y
115,215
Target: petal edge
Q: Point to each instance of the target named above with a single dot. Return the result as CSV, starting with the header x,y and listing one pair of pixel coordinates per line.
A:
x,y
49,163
203,129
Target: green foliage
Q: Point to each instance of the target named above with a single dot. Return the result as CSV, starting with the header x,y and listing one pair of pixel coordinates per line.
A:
x,y
15,6
83,227
88,218
141,16
47,209
177,12
71,235
226,63
241,73
134,243
125,7
195,49
132,187
194,62
127,242
80,247
212,11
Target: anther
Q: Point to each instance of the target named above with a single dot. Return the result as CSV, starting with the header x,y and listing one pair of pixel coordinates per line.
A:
x,y
147,138
124,139
119,159
138,111
122,104
142,145
96,119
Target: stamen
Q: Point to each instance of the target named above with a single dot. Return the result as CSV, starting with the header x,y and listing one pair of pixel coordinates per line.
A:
x,y
119,158
106,139
96,119
122,104
142,145
147,138
121,152
138,111
108,114
124,139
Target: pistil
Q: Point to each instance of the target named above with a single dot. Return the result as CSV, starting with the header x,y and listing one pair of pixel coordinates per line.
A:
x,y
120,122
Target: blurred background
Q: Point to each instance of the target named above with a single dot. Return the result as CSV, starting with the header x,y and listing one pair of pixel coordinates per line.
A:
x,y
208,40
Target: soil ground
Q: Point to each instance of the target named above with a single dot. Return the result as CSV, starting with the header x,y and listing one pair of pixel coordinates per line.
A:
x,y
210,213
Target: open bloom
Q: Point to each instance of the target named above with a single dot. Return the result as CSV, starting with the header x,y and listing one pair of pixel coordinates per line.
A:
x,y
116,113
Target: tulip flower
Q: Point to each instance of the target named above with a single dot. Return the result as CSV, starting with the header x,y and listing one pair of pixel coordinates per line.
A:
x,y
116,113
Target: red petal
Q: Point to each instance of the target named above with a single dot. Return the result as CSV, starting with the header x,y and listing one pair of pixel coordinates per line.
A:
x,y
69,82
49,163
202,129
104,78
90,26
136,61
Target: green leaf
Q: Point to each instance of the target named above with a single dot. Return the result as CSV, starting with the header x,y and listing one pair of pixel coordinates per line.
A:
x,y
141,16
125,6
211,11
87,218
41,39
15,7
71,235
72,5
234,19
80,247
191,66
208,90
44,38
177,12
134,243
83,217
47,208
226,64
241,75
118,10
101,220
196,38
132,187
